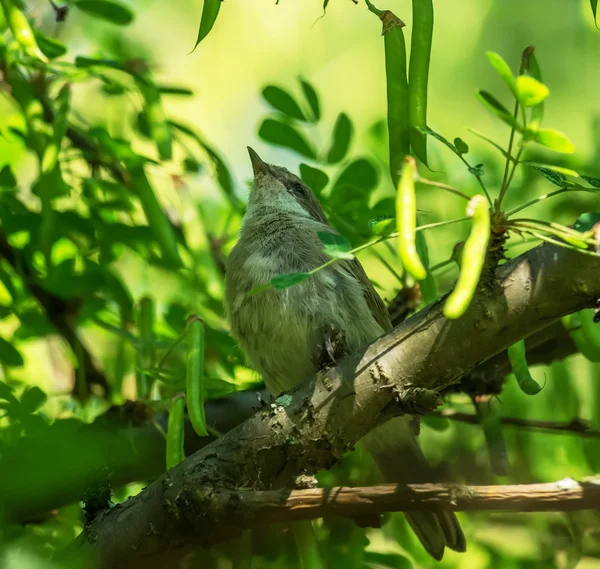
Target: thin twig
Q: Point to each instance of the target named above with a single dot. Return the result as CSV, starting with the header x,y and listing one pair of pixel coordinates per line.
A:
x,y
443,187
274,506
575,426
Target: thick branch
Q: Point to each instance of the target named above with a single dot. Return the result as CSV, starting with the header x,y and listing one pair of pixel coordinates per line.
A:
x,y
310,428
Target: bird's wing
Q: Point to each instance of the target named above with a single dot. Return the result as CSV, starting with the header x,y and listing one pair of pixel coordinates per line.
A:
x,y
374,301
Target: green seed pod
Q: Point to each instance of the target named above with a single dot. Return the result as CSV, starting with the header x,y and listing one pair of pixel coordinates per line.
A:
x,y
418,75
21,30
195,376
473,259
518,362
406,219
175,432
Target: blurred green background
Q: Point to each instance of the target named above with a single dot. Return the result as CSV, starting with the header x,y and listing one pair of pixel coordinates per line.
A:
x,y
254,44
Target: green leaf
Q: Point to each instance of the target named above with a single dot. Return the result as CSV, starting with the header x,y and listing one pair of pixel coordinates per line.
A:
x,y
7,178
537,113
591,181
283,102
530,91
224,177
50,47
281,282
312,99
342,136
314,178
383,225
555,140
155,115
594,6
281,134
496,107
335,245
461,146
9,355
555,174
503,69
32,399
108,10
586,221
210,11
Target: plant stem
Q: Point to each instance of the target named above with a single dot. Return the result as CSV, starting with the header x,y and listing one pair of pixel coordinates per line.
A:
x,y
549,195
443,187
372,8
505,179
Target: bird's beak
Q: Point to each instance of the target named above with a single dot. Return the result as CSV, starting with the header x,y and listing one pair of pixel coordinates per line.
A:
x,y
258,165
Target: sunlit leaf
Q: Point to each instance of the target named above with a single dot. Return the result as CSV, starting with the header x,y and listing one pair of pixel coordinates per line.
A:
x,y
555,140
530,91
342,136
503,69
537,113
282,101
383,225
312,99
335,245
314,178
108,10
281,282
282,134
210,11
594,6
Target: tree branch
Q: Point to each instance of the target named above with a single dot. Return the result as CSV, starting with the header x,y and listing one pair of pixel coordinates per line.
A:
x,y
575,426
314,425
248,508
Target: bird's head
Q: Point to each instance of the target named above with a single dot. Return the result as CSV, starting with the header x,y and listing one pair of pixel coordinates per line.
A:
x,y
276,188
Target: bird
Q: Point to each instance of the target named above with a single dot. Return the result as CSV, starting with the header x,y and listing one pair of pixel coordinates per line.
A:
x,y
288,334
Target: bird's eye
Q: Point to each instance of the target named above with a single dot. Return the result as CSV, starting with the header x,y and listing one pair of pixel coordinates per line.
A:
x,y
299,189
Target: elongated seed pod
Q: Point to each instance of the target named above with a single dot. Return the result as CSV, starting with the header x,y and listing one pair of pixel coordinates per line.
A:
x,y
175,430
397,91
473,259
418,75
195,376
406,219
21,30
518,363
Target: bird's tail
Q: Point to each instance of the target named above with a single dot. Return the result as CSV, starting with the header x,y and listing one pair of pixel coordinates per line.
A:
x,y
399,458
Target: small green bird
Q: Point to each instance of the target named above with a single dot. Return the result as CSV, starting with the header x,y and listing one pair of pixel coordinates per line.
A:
x,y
285,333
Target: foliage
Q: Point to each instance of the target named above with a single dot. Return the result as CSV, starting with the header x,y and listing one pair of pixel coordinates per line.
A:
x,y
109,258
